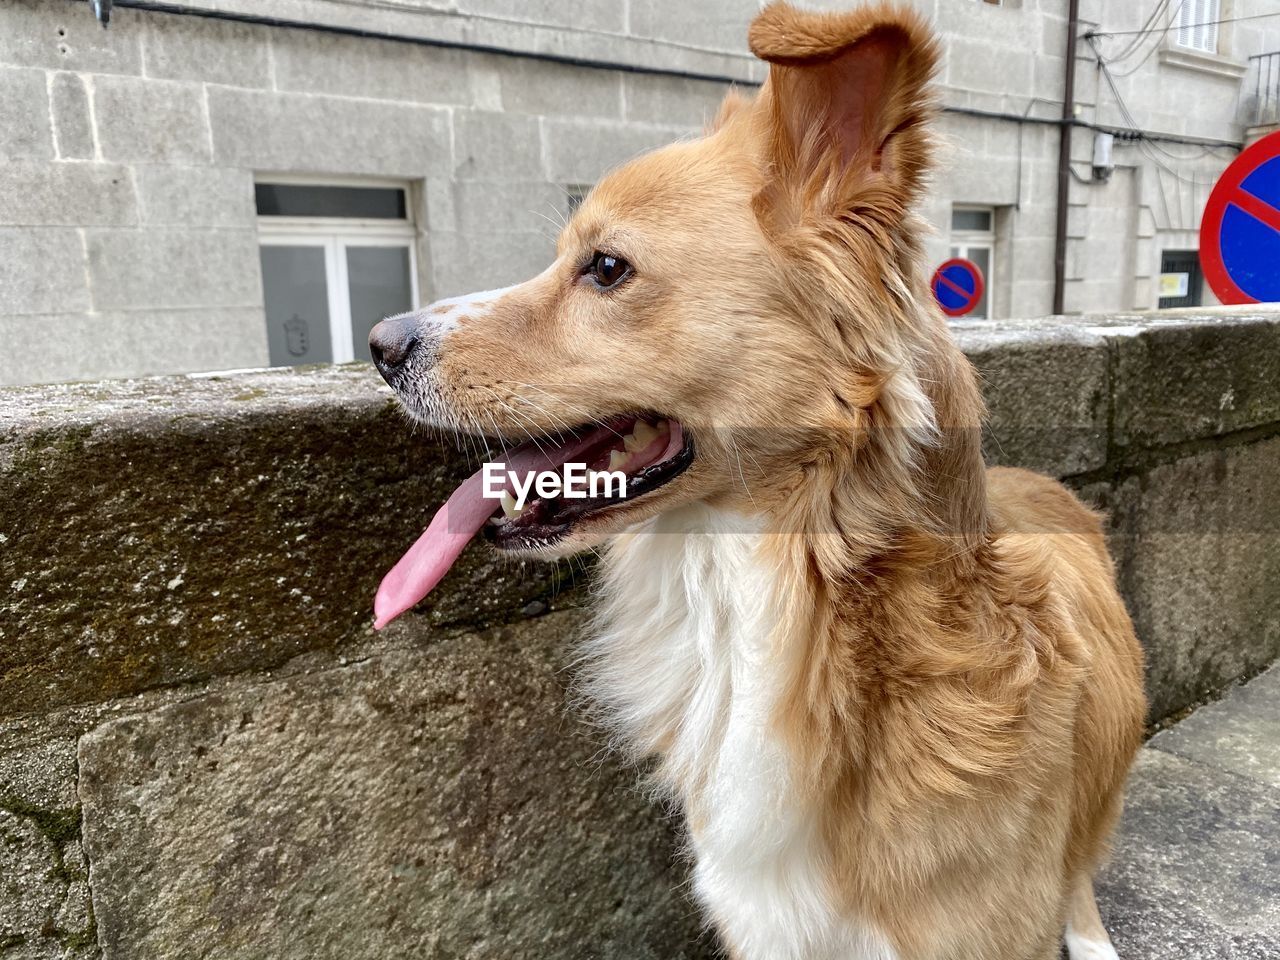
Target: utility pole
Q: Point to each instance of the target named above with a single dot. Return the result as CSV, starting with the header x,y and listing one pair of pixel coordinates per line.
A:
x,y
1064,161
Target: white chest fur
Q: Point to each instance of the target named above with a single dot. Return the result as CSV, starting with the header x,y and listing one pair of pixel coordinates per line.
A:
x,y
683,662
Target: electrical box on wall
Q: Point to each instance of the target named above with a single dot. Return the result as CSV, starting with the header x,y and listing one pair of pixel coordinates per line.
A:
x,y
1102,163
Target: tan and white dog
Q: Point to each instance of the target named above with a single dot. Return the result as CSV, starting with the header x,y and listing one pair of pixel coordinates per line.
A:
x,y
895,694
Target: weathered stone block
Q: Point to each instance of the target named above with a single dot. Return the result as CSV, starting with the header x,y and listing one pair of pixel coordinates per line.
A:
x,y
970,178
310,62
1199,377
967,65
38,770
132,343
29,893
478,208
411,804
44,894
1047,393
582,151
1198,546
209,526
300,133
987,24
484,71
72,123
673,101
496,146
150,121
29,256
202,50
195,196
542,87
66,194
1032,297
1005,140
605,16
465,263
1193,536
61,36
174,268
24,115
714,25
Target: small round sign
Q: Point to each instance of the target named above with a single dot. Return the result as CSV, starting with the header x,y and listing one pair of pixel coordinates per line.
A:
x,y
957,286
1240,230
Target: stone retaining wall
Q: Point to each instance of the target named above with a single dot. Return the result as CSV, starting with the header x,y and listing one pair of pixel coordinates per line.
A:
x,y
206,752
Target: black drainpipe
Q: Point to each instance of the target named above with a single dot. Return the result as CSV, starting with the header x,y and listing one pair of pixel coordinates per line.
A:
x,y
1064,161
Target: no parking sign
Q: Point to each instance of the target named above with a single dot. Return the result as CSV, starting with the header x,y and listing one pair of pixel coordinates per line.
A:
x,y
1240,231
957,286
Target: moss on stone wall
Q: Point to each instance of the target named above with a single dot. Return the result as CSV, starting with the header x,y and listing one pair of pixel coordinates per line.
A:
x,y
189,543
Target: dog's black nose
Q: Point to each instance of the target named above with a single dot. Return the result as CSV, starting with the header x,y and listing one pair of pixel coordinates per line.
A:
x,y
391,341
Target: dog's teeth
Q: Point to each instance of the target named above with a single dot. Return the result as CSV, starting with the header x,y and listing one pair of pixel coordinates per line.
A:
x,y
640,437
509,508
618,459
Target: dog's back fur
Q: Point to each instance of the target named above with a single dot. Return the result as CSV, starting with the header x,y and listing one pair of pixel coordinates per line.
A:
x,y
923,764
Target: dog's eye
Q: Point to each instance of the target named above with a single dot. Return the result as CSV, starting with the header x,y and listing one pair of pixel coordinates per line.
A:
x,y
607,270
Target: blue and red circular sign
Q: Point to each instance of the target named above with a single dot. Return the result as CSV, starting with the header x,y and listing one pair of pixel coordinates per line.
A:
x,y
957,286
1240,230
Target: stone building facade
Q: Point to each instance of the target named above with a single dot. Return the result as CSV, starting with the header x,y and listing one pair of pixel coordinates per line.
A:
x,y
231,184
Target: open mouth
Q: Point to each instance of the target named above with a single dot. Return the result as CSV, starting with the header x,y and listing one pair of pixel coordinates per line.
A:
x,y
648,451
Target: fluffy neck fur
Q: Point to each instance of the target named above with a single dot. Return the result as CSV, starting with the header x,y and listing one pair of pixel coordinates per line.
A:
x,y
824,682
865,543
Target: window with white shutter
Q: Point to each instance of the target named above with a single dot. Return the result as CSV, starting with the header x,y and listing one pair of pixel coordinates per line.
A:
x,y
1197,25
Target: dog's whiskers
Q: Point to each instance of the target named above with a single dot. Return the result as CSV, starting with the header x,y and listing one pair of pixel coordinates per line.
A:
x,y
587,419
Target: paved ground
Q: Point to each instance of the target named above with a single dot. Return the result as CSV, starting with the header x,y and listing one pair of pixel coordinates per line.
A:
x,y
1196,870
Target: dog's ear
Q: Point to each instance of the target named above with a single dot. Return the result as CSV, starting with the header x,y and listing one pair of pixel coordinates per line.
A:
x,y
846,101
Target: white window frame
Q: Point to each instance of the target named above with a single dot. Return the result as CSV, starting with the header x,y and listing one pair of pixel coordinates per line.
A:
x,y
963,241
1195,26
335,235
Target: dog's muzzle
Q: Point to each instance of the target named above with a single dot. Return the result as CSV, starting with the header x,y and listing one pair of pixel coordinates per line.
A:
x,y
392,343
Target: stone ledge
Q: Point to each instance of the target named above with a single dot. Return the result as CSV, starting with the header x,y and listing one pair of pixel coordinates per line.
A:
x,y
1166,377
1211,63
1047,394
166,531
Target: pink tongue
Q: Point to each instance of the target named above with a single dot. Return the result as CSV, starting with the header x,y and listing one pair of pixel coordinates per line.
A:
x,y
452,528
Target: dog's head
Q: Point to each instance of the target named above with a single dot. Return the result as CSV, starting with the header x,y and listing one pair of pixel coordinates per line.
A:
x,y
719,311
